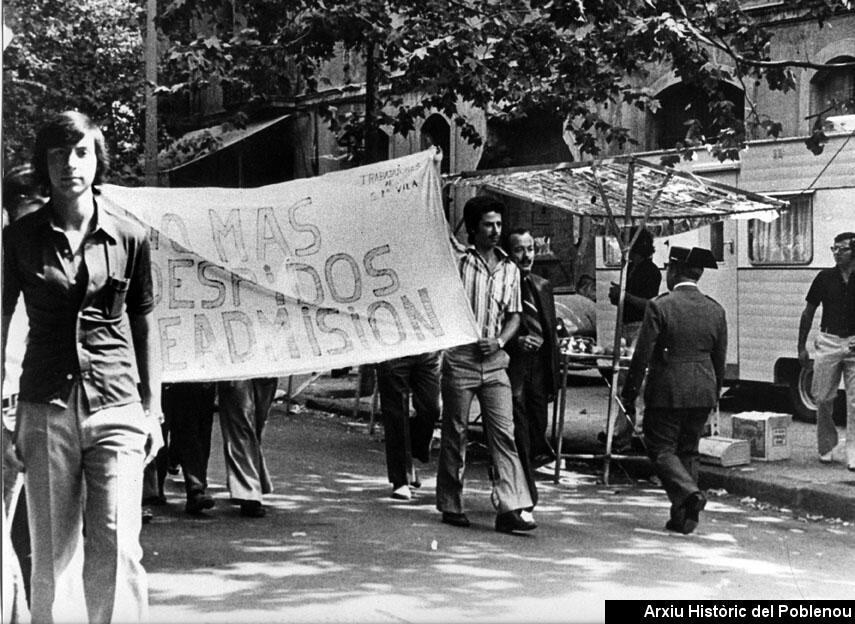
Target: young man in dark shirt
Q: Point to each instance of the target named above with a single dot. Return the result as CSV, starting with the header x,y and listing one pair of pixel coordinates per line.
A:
x,y
833,289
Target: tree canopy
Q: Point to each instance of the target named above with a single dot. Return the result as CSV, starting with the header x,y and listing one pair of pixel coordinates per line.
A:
x,y
84,55
572,58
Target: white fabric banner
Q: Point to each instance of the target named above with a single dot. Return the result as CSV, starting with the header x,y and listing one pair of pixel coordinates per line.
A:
x,y
348,268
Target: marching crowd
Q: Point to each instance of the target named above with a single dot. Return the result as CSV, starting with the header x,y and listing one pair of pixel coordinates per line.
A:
x,y
91,415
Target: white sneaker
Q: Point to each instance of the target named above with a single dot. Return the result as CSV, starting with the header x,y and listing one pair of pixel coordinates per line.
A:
x,y
402,493
826,458
526,515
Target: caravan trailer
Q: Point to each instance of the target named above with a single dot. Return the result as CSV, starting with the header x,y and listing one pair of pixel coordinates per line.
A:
x,y
764,269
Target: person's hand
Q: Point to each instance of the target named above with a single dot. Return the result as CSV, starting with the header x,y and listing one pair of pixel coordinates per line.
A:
x,y
11,456
154,440
488,346
614,293
804,358
529,344
628,403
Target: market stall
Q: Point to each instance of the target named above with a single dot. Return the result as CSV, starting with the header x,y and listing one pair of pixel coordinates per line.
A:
x,y
618,194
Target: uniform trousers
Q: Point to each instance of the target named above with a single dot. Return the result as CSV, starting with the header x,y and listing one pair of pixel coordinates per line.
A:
x,y
405,437
82,466
833,359
672,437
466,375
244,404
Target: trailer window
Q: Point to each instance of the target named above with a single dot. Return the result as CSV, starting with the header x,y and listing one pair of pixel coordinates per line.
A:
x,y
786,240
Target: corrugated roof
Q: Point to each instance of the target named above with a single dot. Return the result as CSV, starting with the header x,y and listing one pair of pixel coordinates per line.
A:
x,y
681,200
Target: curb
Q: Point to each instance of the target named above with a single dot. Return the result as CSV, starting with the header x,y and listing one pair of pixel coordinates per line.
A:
x,y
817,499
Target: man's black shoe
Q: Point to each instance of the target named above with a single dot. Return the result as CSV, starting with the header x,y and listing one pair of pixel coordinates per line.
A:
x,y
252,509
685,527
511,521
198,502
456,519
694,505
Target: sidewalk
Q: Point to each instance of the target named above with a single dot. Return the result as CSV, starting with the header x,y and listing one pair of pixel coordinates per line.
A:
x,y
799,483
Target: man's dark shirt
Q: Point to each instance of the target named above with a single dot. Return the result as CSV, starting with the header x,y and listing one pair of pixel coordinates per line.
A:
x,y
78,329
837,299
642,280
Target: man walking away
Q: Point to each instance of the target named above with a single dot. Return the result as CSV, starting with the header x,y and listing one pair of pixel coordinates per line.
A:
x,y
682,346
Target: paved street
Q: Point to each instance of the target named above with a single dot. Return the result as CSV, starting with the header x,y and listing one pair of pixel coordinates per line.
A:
x,y
336,548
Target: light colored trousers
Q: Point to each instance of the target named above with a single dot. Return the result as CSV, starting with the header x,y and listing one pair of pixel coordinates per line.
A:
x,y
831,360
243,406
466,375
84,468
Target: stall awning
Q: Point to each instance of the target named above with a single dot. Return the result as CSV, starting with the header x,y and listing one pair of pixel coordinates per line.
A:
x,y
227,135
681,200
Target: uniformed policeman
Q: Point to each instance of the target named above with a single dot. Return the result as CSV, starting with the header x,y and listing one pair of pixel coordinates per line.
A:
x,y
681,346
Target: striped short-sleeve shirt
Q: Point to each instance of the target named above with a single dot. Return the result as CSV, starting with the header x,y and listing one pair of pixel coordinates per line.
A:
x,y
492,294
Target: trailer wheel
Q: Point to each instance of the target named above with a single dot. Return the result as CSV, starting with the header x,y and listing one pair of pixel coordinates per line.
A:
x,y
803,404
804,407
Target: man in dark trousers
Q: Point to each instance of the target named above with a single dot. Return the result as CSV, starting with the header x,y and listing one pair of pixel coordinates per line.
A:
x,y
406,437
533,369
682,346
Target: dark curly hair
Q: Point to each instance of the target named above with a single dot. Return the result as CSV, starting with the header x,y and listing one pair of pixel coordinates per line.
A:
x,y
475,208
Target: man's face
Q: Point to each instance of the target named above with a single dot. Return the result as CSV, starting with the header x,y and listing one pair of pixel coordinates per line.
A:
x,y
522,251
842,251
72,168
489,230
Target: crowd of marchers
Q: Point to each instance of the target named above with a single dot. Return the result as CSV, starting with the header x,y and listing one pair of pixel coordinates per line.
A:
x,y
84,459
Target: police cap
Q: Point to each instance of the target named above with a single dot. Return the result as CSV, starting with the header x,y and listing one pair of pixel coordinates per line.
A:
x,y
696,257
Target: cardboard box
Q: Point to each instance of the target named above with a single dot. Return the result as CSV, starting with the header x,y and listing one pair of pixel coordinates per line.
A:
x,y
767,432
726,452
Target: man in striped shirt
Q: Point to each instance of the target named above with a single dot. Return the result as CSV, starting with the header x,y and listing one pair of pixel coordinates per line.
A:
x,y
492,283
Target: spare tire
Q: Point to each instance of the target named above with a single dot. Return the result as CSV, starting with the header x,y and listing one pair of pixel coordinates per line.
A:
x,y
801,399
804,405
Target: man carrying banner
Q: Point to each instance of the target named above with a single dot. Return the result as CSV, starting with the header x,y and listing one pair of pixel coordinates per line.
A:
x,y
492,284
682,347
407,437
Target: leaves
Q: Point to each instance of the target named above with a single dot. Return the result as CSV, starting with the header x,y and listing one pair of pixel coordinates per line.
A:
x,y
85,55
577,60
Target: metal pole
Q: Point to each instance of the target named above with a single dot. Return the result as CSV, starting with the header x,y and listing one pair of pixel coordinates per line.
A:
x,y
610,414
150,97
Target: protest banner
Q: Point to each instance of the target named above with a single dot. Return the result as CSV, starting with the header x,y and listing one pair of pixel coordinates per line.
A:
x,y
348,268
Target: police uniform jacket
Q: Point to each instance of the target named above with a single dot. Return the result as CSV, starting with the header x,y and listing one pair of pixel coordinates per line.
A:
x,y
682,346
